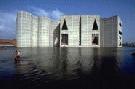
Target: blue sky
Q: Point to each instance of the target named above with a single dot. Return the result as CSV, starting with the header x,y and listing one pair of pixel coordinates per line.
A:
x,y
55,8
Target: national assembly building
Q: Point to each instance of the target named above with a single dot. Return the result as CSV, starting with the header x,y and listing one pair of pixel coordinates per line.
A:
x,y
68,31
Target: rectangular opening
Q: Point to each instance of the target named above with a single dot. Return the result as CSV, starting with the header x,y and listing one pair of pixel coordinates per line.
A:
x,y
120,32
95,39
120,44
64,39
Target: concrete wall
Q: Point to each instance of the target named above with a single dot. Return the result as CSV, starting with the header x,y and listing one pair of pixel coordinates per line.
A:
x,y
119,33
34,31
23,29
56,34
40,31
72,23
52,37
110,32
87,30
77,23
43,31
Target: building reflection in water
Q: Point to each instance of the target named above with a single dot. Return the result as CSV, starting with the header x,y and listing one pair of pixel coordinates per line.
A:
x,y
67,62
68,68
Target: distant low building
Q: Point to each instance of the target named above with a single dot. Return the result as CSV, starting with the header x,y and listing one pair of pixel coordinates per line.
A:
x,y
69,31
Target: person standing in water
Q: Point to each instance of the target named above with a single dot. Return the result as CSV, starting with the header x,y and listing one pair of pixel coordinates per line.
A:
x,y
18,55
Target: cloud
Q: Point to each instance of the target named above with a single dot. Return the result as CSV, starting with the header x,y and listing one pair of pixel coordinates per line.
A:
x,y
7,24
39,11
8,20
54,14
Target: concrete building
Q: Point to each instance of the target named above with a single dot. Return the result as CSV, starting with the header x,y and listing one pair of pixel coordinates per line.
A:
x,y
33,31
111,32
69,31
82,31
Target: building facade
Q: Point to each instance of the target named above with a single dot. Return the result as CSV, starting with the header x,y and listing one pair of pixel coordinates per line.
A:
x,y
111,32
80,31
69,31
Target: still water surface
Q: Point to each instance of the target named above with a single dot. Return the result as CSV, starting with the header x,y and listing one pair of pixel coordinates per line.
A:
x,y
67,68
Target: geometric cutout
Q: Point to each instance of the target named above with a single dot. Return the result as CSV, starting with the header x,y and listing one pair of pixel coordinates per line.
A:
x,y
95,26
64,27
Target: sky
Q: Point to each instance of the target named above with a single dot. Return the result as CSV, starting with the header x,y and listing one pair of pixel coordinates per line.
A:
x,y
56,8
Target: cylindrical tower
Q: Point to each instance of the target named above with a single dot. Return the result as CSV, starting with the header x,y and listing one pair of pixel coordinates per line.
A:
x,y
34,31
23,29
43,31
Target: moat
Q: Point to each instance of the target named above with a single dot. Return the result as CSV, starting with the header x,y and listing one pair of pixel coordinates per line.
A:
x,y
67,68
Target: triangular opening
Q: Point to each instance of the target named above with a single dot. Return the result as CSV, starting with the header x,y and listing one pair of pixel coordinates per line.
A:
x,y
64,27
95,26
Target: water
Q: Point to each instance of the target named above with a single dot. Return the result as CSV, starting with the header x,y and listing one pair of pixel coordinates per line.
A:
x,y
67,68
